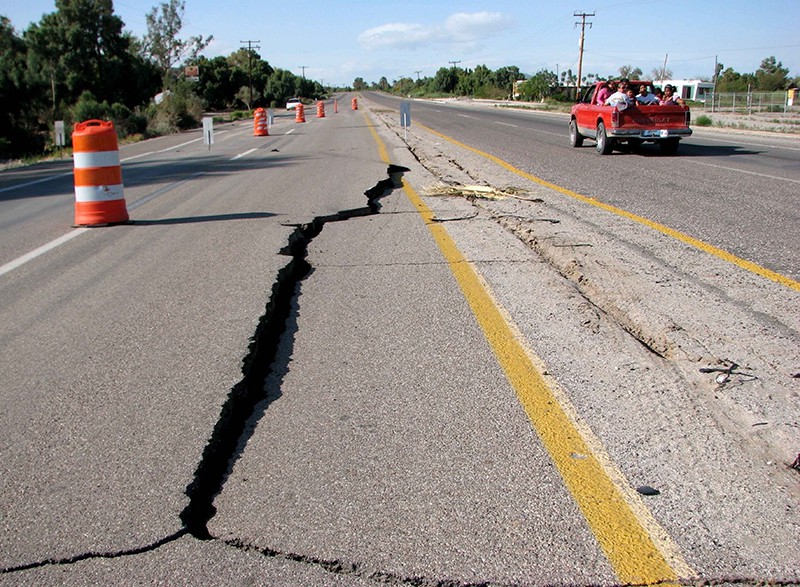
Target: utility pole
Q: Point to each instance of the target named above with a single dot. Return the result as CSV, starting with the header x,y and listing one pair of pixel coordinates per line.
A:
x,y
714,91
303,67
418,72
454,63
583,24
250,48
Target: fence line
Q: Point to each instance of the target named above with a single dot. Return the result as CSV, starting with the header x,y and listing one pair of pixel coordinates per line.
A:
x,y
749,102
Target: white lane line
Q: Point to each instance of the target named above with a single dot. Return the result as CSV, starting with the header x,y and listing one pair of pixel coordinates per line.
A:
x,y
11,265
464,115
775,177
506,124
243,154
740,142
181,145
136,156
34,182
290,131
41,250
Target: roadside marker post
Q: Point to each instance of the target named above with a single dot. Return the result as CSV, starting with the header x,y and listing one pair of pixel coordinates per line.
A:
x,y
60,138
405,117
208,131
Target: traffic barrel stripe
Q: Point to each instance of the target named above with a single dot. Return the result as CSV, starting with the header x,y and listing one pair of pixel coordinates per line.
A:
x,y
99,192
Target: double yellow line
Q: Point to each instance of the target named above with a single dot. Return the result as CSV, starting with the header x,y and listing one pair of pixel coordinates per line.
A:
x,y
685,238
638,549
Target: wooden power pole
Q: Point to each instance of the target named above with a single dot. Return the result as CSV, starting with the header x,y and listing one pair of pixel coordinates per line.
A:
x,y
583,24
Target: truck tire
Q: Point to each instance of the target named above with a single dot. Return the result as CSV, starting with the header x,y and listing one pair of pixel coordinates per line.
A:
x,y
604,144
575,138
669,146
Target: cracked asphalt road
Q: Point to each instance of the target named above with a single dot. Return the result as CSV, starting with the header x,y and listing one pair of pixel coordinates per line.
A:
x,y
386,445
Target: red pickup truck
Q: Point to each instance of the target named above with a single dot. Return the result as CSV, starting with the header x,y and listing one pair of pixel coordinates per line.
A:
x,y
632,125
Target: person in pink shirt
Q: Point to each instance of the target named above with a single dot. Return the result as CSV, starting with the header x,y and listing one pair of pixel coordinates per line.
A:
x,y
603,93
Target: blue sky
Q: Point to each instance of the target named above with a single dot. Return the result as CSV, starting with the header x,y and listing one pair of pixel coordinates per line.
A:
x,y
339,40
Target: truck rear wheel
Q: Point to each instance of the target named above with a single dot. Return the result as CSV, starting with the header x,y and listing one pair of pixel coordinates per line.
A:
x,y
575,138
604,144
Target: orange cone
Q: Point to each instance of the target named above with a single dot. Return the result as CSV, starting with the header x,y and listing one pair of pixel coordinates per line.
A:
x,y
300,114
320,109
335,106
260,127
354,104
99,198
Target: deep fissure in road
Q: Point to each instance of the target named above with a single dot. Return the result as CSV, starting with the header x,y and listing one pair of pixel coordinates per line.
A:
x,y
222,449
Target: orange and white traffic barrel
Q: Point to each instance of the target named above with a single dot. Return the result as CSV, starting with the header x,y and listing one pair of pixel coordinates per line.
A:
x,y
300,113
354,104
320,109
99,198
260,127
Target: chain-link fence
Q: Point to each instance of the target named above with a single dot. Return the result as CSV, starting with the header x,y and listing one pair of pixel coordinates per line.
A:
x,y
751,102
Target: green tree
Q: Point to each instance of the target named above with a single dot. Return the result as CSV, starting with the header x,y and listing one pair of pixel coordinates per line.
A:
x,y
247,67
630,72
404,86
484,76
732,81
445,80
16,120
771,76
539,86
280,87
505,78
359,85
162,43
81,47
218,82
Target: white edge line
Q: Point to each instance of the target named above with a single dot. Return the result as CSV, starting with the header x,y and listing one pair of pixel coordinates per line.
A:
x,y
181,145
243,154
136,156
743,171
34,182
41,250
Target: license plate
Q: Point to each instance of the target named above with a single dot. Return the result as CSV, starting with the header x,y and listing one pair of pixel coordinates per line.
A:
x,y
655,133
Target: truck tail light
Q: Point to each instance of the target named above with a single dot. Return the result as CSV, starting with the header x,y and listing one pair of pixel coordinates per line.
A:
x,y
614,118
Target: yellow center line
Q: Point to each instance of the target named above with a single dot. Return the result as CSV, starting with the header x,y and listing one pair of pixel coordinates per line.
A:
x,y
676,234
622,536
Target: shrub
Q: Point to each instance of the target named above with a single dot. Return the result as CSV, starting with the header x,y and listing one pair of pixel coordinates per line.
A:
x,y
180,110
88,108
703,120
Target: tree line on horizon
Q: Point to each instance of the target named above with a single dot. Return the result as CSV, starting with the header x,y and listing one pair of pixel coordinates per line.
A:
x,y
482,82
79,63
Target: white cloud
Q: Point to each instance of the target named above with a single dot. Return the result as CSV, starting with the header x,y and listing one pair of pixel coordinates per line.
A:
x,y
461,27
468,27
396,35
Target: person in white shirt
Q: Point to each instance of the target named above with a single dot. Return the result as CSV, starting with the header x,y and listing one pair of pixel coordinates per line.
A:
x,y
618,97
644,97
